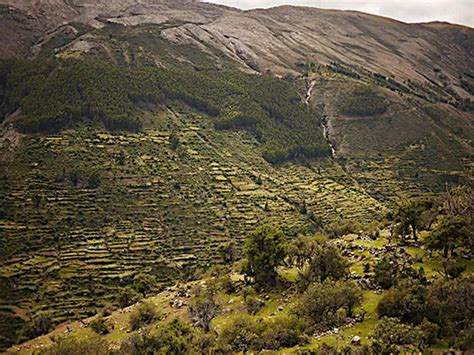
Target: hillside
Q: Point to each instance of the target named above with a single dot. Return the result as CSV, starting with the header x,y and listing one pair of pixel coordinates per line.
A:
x,y
142,136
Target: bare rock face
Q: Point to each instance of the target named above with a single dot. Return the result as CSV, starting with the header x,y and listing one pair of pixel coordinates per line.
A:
x,y
265,39
23,23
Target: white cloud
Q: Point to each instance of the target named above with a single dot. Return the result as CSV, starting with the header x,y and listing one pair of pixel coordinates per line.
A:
x,y
454,11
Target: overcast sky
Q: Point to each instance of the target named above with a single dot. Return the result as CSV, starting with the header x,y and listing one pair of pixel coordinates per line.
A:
x,y
454,11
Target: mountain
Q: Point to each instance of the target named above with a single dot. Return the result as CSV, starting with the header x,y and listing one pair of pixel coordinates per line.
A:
x,y
140,136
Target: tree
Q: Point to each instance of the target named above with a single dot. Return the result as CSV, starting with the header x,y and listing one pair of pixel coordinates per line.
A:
x,y
41,324
228,252
450,304
391,269
203,309
264,250
144,283
406,304
450,233
325,263
128,296
409,216
301,250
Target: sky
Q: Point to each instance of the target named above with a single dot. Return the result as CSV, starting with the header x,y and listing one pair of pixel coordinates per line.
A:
x,y
454,11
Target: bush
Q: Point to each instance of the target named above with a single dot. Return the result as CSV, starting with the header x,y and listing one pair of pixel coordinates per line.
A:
x,y
202,310
174,337
72,346
128,296
245,333
98,325
321,301
226,284
340,228
253,304
325,262
143,315
391,337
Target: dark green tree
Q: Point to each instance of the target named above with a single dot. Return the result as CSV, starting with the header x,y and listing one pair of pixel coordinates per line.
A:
x,y
144,283
449,234
264,250
409,216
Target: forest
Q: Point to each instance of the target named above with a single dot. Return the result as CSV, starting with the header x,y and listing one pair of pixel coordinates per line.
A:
x,y
54,95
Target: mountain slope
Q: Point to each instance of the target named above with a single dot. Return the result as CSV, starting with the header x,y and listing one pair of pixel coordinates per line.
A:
x,y
141,136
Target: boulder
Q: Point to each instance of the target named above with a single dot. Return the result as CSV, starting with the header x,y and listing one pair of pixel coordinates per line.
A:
x,y
355,340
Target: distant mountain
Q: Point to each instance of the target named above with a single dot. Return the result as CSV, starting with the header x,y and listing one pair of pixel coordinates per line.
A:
x,y
432,62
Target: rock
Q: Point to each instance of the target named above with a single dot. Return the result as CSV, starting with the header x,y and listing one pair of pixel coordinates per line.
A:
x,y
280,308
177,303
355,340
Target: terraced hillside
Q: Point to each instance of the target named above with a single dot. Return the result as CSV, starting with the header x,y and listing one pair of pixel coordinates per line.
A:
x,y
87,210
141,136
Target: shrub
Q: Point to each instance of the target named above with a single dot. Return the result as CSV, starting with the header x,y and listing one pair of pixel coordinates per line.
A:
x,y
340,228
73,346
143,315
241,334
391,336
202,310
174,337
246,333
253,304
128,296
321,301
98,325
325,262
227,285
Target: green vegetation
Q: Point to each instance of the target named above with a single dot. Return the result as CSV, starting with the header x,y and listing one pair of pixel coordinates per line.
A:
x,y
338,311
321,302
264,251
143,315
94,346
174,337
57,94
362,100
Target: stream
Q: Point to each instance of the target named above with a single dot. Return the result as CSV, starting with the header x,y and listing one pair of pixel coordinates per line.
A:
x,y
324,123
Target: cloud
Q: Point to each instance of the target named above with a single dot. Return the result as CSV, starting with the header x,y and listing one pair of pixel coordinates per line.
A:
x,y
454,11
